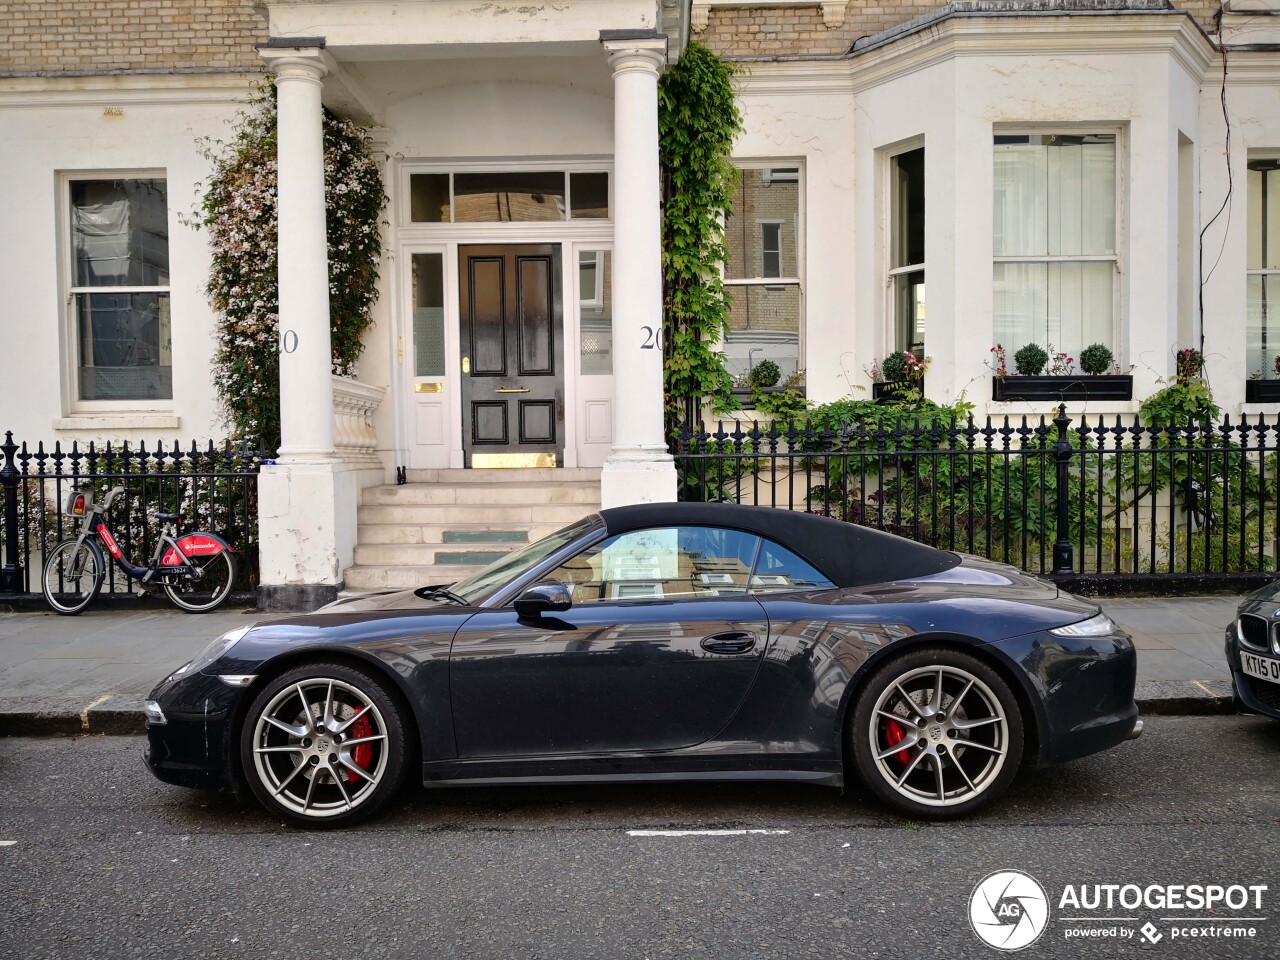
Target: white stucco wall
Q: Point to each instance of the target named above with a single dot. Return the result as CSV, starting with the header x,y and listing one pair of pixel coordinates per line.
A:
x,y
952,90
48,129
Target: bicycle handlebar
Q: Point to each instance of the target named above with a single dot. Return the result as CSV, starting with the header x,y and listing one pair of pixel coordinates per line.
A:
x,y
111,496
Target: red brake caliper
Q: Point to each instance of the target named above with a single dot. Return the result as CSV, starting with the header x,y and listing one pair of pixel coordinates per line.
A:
x,y
895,735
363,753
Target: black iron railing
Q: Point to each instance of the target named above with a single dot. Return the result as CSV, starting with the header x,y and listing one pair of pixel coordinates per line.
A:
x,y
215,487
1102,499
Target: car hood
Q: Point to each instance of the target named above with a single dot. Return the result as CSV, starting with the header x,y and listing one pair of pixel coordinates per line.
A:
x,y
382,600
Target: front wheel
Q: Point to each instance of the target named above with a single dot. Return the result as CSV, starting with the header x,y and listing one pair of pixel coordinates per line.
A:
x,y
217,575
324,745
937,733
73,575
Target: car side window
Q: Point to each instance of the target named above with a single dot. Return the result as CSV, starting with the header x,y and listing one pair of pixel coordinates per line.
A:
x,y
779,570
661,562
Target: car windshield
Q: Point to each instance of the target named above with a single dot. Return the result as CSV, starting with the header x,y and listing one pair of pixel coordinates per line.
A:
x,y
481,584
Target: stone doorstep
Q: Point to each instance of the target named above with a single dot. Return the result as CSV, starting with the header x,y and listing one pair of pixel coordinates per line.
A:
x,y
123,716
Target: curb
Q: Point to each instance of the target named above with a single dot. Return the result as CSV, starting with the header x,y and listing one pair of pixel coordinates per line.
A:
x,y
118,716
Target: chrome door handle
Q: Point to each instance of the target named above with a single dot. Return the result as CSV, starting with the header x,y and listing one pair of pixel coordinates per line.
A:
x,y
511,390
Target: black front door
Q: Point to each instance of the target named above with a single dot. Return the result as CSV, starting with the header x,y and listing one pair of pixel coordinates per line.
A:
x,y
512,355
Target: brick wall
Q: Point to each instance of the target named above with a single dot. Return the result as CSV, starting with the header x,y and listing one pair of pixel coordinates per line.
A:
x,y
61,37
767,31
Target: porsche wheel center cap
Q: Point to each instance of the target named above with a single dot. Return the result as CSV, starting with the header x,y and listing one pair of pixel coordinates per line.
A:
x,y
322,745
935,733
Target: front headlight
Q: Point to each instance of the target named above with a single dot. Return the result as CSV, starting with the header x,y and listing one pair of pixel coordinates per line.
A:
x,y
1099,626
212,652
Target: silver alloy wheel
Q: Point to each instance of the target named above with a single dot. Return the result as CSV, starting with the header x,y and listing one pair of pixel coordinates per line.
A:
x,y
939,736
320,747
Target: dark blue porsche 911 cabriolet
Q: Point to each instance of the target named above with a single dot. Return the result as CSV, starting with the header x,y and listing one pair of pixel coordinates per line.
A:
x,y
661,641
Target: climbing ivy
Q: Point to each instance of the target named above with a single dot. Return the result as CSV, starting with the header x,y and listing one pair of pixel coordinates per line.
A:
x,y
698,121
238,209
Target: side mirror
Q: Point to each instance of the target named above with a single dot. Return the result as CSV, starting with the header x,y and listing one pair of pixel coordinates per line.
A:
x,y
550,596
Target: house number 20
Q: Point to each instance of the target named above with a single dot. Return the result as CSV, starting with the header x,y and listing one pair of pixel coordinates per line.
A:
x,y
288,341
652,338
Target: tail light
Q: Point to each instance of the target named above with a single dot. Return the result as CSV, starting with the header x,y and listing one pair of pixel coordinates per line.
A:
x,y
77,503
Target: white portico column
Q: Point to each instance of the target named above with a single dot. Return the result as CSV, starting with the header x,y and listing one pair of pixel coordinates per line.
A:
x,y
306,395
301,501
639,470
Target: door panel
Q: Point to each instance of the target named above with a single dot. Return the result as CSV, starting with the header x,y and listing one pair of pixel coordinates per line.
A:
x,y
513,376
602,677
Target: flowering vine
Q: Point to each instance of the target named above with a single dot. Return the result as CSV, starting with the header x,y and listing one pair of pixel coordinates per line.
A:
x,y
238,209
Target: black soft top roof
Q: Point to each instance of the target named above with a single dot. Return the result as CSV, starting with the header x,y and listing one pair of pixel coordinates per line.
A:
x,y
850,555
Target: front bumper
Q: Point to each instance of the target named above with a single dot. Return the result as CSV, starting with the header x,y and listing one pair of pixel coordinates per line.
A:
x,y
1084,687
193,747
1257,696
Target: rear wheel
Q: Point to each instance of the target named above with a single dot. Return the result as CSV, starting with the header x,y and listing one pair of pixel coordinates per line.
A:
x,y
324,745
937,734
73,575
217,575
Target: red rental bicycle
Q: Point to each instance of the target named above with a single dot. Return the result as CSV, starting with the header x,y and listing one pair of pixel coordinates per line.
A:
x,y
197,570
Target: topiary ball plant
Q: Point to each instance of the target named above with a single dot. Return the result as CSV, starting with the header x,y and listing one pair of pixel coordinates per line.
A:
x,y
896,367
765,374
1096,358
1030,360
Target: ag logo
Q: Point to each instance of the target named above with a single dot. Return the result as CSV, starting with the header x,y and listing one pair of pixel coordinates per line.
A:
x,y
1008,910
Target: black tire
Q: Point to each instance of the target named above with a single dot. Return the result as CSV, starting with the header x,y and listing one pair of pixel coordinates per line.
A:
x,y
84,562
201,596
303,776
939,758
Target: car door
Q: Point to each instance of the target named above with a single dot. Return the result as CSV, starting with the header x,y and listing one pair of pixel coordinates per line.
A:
x,y
658,651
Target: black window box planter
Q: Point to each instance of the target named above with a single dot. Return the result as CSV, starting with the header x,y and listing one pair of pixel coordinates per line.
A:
x,y
897,389
1064,389
1262,391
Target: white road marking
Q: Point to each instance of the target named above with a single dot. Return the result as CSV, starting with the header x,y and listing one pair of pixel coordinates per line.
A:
x,y
701,833
84,714
7,843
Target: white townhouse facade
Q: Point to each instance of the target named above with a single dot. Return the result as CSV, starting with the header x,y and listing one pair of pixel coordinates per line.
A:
x,y
1061,172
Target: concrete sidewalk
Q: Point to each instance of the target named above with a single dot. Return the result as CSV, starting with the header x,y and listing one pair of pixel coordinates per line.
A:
x,y
91,673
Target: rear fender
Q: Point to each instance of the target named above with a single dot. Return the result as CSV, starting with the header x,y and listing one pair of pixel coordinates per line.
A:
x,y
195,545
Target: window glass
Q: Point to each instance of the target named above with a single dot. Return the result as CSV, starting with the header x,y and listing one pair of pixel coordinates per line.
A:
x,y
595,306
428,315
429,198
762,269
120,239
120,233
1262,286
515,197
906,244
779,570
589,195
1055,198
663,562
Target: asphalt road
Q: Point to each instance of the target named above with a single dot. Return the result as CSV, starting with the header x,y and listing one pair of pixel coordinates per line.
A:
x,y
107,862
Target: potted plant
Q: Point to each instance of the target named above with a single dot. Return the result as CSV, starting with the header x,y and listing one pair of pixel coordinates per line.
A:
x,y
899,374
1060,382
1258,390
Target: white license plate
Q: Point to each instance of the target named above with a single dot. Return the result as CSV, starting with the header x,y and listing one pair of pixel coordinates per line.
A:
x,y
1264,668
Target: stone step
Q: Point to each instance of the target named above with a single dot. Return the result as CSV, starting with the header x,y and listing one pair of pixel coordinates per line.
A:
x,y
453,533
429,554
362,578
453,476
450,514
483,493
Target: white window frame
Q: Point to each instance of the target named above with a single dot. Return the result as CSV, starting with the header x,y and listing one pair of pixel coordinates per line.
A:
x,y
595,302
764,249
569,227
1261,271
891,206
1118,326
70,333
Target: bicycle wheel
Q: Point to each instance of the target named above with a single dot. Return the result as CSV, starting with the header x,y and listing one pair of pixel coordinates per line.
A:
x,y
211,589
73,575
